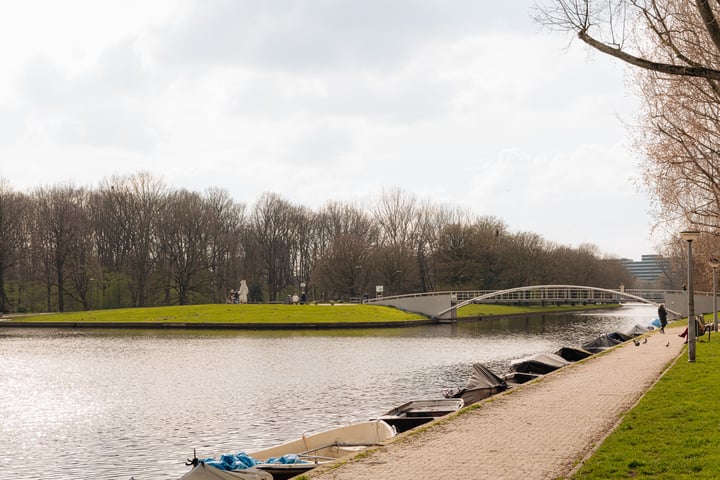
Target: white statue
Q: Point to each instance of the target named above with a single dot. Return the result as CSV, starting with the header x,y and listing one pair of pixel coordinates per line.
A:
x,y
243,291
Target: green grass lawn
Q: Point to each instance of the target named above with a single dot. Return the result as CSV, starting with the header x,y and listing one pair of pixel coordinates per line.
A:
x,y
674,431
224,313
274,313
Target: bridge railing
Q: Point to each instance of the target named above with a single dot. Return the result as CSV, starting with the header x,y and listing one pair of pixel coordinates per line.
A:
x,y
553,293
445,304
550,294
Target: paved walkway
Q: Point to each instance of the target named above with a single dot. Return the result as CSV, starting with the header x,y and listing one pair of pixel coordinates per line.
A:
x,y
536,431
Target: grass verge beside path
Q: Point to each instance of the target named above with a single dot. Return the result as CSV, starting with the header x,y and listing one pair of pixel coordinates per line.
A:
x,y
674,430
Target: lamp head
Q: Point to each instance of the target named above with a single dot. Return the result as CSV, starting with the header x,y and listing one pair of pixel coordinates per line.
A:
x,y
689,235
714,262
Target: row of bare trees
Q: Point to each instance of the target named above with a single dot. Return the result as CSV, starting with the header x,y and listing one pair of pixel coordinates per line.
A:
x,y
132,241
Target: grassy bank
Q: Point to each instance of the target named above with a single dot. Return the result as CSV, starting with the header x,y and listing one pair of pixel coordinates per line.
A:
x,y
673,432
273,314
224,313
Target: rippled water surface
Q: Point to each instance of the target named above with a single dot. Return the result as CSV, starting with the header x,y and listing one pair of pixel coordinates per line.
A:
x,y
111,404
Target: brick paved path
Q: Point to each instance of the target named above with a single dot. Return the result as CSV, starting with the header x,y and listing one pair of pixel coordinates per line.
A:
x,y
536,431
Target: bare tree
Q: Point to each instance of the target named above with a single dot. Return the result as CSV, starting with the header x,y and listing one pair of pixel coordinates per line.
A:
x,y
342,271
470,255
13,216
125,212
396,215
273,234
525,257
58,228
458,257
676,45
656,35
185,231
226,249
346,238
680,138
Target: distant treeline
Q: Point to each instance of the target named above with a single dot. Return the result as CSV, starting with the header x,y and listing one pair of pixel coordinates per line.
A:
x,y
133,241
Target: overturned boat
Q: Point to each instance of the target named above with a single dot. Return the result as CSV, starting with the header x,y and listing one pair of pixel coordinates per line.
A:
x,y
482,384
539,363
418,412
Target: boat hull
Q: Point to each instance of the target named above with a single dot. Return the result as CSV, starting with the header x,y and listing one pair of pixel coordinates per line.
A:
x,y
207,472
418,412
323,448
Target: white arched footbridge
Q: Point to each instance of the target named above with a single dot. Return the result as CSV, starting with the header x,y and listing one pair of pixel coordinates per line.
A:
x,y
444,305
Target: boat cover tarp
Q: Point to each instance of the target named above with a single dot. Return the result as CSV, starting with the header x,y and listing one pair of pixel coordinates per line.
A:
x,y
481,377
518,378
620,336
207,472
241,461
603,342
538,363
573,354
637,330
481,384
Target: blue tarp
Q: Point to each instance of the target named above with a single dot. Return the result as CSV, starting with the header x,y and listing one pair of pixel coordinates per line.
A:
x,y
288,459
241,461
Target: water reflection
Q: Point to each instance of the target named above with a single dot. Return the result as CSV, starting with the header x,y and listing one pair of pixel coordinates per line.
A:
x,y
115,404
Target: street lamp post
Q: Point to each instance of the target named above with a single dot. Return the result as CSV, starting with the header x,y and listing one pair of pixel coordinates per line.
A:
x,y
715,263
689,236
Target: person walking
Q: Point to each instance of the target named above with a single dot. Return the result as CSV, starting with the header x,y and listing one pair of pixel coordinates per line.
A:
x,y
662,315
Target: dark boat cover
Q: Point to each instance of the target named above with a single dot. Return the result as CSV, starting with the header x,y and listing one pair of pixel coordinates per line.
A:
x,y
573,354
539,363
637,330
481,377
481,384
518,378
621,337
603,342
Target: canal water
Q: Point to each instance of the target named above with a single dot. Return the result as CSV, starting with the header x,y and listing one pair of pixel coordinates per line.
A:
x,y
115,404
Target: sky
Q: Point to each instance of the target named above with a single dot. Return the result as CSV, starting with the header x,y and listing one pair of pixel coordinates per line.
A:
x,y
456,102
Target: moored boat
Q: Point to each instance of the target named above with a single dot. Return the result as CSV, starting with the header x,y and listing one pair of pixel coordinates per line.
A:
x,y
481,384
603,342
202,471
323,448
418,412
513,379
541,363
294,457
573,354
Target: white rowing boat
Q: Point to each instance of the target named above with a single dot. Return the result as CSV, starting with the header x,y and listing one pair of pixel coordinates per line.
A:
x,y
295,457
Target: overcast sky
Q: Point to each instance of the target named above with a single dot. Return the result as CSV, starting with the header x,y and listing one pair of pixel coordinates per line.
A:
x,y
458,102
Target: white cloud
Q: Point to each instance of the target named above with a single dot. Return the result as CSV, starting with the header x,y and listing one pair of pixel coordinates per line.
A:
x,y
458,101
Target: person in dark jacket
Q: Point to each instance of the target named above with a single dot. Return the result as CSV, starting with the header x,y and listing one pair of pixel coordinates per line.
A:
x,y
662,315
